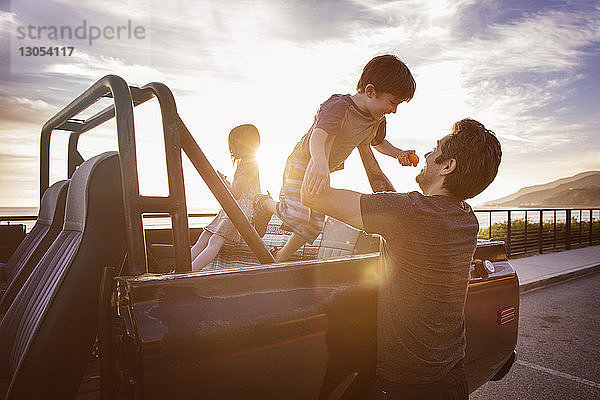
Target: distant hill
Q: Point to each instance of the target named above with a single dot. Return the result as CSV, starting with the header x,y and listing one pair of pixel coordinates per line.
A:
x,y
581,190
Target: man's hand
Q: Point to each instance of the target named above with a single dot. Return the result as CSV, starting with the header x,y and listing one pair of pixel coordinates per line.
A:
x,y
316,178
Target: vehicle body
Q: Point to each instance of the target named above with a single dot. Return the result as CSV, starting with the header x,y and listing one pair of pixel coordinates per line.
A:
x,y
304,329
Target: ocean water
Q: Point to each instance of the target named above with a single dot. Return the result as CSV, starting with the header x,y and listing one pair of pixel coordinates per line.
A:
x,y
165,222
16,211
149,222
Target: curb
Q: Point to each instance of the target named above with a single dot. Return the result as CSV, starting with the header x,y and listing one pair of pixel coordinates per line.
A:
x,y
561,277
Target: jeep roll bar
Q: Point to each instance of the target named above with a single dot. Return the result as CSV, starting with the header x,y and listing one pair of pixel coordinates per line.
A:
x,y
177,138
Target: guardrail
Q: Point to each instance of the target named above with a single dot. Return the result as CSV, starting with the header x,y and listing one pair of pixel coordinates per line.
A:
x,y
542,230
30,219
520,229
11,218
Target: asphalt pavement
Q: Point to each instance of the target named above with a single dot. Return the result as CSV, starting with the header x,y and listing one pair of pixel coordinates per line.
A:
x,y
558,348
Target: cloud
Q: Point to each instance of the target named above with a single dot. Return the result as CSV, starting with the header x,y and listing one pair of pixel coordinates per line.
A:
x,y
521,76
6,19
543,43
19,110
91,67
524,69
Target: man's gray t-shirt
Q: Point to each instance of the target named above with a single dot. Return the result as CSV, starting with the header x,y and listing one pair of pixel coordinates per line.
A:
x,y
427,247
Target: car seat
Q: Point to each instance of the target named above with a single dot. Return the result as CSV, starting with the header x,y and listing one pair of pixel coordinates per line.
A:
x,y
47,226
49,328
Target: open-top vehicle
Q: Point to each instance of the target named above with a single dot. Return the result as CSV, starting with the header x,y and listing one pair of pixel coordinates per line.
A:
x,y
89,273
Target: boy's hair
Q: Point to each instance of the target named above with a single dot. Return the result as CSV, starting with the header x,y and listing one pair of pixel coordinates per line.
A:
x,y
388,74
243,141
477,153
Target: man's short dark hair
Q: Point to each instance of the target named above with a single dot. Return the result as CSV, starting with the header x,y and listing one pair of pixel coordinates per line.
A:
x,y
388,74
477,153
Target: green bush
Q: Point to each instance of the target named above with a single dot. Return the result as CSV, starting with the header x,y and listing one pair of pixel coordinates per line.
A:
x,y
518,226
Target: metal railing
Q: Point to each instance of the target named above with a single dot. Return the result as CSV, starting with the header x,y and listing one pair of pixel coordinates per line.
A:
x,y
520,229
536,231
177,139
16,218
30,219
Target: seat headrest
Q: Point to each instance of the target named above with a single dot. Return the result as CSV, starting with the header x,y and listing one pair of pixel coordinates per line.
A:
x,y
90,175
51,202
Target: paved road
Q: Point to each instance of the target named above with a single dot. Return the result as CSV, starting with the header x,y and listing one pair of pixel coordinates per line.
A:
x,y
558,350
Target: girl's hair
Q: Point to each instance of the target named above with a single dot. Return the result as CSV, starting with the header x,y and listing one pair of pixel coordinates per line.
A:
x,y
243,141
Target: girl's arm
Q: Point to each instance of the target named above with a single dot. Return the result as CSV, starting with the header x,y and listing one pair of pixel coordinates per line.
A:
x,y
224,179
246,175
238,185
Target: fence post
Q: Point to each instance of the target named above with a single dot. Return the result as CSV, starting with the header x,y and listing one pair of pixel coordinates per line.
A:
x,y
508,236
554,230
490,232
591,224
568,230
541,232
580,227
525,250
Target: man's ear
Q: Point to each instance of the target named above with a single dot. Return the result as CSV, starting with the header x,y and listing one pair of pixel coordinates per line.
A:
x,y
448,167
370,90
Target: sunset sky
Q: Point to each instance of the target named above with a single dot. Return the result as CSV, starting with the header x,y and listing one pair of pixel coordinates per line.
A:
x,y
528,70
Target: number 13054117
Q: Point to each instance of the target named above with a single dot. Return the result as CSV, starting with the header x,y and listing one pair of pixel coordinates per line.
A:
x,y
45,51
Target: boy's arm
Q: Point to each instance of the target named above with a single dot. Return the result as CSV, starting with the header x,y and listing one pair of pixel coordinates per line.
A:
x,y
388,149
316,177
341,204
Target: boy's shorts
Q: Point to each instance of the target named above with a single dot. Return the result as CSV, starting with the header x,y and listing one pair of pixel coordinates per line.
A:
x,y
296,217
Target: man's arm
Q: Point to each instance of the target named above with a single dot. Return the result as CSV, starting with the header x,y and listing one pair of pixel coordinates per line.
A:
x,y
340,204
316,177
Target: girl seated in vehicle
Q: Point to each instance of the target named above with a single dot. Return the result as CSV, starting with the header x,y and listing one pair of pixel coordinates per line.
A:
x,y
244,141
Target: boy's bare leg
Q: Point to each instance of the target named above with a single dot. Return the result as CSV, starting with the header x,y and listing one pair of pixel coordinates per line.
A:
x,y
294,243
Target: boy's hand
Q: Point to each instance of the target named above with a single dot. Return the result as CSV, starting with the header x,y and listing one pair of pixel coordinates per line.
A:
x,y
408,157
316,177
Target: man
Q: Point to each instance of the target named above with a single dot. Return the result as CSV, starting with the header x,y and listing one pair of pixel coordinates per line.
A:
x,y
428,241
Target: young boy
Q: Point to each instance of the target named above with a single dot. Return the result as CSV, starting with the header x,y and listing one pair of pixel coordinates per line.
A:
x,y
341,124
